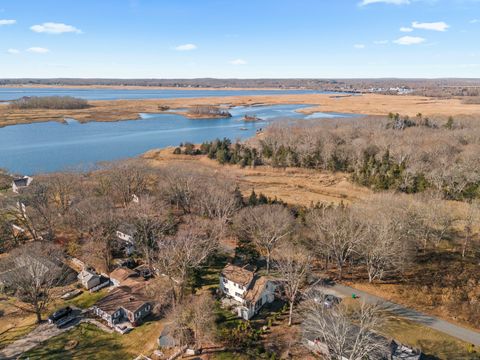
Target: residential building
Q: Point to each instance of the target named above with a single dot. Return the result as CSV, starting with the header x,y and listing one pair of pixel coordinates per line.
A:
x,y
89,278
249,291
123,306
20,183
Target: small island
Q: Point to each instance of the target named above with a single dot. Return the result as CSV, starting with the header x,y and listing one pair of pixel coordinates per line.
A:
x,y
251,118
207,112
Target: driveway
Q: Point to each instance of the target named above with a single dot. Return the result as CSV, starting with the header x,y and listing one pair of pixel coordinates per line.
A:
x,y
459,332
40,334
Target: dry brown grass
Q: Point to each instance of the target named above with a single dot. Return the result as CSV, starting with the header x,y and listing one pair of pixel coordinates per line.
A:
x,y
369,104
292,185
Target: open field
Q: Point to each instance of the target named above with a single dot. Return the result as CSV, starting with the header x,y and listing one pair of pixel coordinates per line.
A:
x,y
369,104
292,185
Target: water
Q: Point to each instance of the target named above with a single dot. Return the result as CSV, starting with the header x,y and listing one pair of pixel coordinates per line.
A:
x,y
114,94
52,146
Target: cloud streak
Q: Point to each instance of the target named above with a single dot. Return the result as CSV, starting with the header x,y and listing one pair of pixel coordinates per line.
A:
x,y
392,2
434,26
238,62
409,40
406,29
4,22
55,28
38,50
186,47
13,51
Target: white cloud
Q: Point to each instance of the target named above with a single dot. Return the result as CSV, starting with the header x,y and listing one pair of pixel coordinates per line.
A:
x,y
38,50
474,21
13,51
238,62
406,29
394,2
381,42
409,40
186,47
55,28
7,22
435,26
359,46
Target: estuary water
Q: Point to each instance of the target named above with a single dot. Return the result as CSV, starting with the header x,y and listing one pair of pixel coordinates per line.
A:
x,y
51,146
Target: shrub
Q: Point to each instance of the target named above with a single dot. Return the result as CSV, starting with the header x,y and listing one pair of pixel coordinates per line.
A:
x,y
48,102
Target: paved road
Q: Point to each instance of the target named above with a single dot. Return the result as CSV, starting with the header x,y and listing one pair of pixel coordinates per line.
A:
x,y
467,335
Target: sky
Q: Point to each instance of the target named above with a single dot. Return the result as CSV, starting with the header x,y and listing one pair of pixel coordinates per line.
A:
x,y
239,38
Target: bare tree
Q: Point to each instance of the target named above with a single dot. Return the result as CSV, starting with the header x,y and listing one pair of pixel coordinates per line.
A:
x,y
266,226
151,222
179,255
194,321
471,221
342,332
292,263
338,231
32,272
123,181
179,188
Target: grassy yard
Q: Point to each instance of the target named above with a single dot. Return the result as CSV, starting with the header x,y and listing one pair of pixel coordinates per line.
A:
x,y
86,299
94,343
433,343
14,322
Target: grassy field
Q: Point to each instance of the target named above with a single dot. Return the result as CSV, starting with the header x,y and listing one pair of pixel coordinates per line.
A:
x,y
94,343
433,343
292,185
14,322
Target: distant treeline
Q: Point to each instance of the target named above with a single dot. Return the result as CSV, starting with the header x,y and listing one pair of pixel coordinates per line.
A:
x,y
395,153
427,87
48,102
208,110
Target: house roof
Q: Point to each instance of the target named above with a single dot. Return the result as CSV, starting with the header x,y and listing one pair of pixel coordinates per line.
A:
x,y
121,274
256,289
126,297
86,275
22,182
238,275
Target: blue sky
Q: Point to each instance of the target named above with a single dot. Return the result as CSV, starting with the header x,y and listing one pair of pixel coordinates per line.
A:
x,y
239,38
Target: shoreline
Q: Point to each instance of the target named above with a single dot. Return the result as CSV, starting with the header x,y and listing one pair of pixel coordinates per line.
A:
x,y
146,87
367,104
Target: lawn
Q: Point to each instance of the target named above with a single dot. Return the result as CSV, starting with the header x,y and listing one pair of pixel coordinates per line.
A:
x,y
14,322
433,343
86,299
94,343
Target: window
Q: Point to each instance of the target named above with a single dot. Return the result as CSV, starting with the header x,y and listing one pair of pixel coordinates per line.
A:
x,y
225,281
238,295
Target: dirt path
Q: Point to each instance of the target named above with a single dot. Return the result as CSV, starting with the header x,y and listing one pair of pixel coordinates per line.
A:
x,y
464,334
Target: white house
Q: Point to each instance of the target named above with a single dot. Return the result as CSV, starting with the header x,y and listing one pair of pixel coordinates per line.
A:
x,y
89,279
125,233
21,183
248,290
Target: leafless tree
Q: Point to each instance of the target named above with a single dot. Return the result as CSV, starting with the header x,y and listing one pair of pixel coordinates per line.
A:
x,y
342,332
338,231
266,226
471,223
179,187
123,181
194,321
32,272
178,255
292,262
151,221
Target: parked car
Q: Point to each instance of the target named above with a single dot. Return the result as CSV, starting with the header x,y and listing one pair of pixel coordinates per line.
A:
x,y
64,321
60,313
